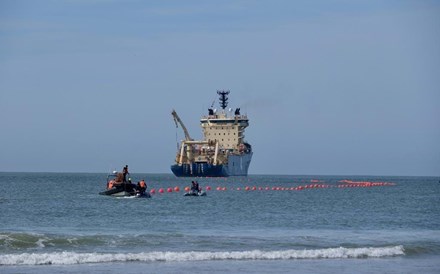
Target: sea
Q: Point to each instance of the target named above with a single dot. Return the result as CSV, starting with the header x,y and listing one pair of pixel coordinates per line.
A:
x,y
58,223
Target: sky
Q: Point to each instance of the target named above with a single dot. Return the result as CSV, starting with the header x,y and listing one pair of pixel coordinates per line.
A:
x,y
330,87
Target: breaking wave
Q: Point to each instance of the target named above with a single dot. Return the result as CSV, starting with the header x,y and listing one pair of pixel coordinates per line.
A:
x,y
69,258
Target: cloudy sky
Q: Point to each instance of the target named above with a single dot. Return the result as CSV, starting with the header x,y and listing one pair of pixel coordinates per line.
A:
x,y
330,87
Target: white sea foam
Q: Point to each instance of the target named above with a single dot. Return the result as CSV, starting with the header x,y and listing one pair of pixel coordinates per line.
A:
x,y
67,258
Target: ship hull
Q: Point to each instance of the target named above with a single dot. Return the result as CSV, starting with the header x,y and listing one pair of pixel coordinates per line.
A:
x,y
199,170
238,165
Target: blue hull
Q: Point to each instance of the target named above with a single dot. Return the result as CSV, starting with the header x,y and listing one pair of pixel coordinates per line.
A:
x,y
237,165
199,170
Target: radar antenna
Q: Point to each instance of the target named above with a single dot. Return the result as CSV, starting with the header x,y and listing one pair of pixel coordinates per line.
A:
x,y
223,98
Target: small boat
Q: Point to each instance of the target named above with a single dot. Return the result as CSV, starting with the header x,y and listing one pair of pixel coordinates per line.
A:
x,y
117,188
195,193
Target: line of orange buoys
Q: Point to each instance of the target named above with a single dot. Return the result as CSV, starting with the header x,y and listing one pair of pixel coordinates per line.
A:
x,y
349,183
344,184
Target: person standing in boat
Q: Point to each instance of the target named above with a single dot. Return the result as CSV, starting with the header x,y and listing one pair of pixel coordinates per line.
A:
x,y
124,173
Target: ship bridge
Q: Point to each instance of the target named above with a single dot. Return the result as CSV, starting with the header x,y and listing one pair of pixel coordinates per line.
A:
x,y
224,126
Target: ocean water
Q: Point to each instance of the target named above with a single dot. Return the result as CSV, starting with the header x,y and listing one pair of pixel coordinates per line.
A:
x,y
57,223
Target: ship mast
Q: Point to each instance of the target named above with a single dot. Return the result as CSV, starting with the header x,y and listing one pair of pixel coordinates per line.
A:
x,y
223,98
177,120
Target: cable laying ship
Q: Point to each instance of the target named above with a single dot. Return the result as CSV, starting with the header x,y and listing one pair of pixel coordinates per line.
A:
x,y
223,151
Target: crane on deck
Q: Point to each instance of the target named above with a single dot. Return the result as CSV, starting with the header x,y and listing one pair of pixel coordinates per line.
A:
x,y
178,121
186,154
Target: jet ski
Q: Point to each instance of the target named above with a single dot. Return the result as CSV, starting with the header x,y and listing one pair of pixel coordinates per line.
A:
x,y
195,193
195,190
117,188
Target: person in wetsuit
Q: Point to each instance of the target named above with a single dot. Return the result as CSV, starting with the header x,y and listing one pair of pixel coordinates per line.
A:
x,y
195,186
141,187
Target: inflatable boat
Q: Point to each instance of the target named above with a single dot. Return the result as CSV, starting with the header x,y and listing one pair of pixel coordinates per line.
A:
x,y
195,193
117,188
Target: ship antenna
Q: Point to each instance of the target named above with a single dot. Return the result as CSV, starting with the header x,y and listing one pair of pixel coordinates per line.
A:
x,y
223,98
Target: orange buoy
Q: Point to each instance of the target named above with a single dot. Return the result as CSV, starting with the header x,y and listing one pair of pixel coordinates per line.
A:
x,y
161,190
152,191
187,188
208,188
169,189
176,189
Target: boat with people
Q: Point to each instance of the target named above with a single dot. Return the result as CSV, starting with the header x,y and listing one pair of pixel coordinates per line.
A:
x,y
118,187
195,190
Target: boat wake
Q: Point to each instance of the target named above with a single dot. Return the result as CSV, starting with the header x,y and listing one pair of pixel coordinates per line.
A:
x,y
70,258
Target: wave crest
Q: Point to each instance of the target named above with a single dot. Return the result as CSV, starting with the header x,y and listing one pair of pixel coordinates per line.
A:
x,y
69,258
